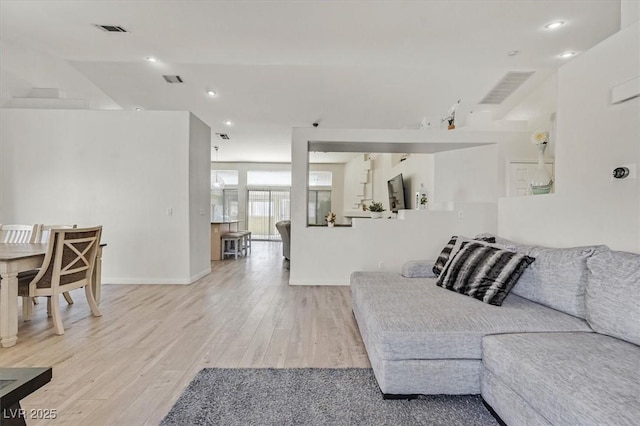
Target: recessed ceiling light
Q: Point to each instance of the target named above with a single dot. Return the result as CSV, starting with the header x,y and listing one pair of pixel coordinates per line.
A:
x,y
228,123
554,25
211,93
512,53
151,59
138,109
567,54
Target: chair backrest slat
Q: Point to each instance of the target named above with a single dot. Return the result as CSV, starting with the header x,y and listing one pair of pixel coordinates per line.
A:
x,y
19,234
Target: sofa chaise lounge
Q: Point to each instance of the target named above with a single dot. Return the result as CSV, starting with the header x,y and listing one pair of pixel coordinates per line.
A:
x,y
562,348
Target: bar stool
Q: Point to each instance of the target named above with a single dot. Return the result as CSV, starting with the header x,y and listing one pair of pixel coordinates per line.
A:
x,y
231,244
246,241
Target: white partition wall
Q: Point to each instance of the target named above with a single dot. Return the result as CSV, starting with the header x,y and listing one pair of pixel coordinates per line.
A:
x,y
199,198
143,175
327,256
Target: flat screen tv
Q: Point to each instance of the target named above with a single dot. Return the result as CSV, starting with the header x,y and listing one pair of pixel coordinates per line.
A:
x,y
396,193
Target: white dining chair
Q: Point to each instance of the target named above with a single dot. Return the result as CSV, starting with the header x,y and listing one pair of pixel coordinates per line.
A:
x,y
43,237
19,234
68,264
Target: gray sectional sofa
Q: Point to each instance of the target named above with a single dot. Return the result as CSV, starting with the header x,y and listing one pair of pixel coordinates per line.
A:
x,y
562,349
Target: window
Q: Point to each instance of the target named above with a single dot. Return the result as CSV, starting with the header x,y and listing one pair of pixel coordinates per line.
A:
x,y
224,197
319,196
230,202
320,178
229,177
269,178
319,206
224,207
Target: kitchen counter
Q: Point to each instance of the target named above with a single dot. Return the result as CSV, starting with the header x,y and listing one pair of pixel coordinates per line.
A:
x,y
217,230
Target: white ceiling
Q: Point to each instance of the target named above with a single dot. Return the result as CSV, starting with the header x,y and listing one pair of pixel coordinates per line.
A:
x,y
281,64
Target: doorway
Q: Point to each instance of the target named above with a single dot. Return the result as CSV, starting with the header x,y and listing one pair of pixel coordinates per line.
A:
x,y
266,207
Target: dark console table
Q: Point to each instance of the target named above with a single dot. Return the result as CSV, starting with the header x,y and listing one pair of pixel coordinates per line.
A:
x,y
15,384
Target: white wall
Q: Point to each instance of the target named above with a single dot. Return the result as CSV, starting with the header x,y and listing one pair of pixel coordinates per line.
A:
x,y
538,109
22,69
593,137
468,175
629,12
199,199
119,169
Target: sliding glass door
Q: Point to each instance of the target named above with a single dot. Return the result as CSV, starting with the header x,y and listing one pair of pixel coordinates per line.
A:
x,y
266,207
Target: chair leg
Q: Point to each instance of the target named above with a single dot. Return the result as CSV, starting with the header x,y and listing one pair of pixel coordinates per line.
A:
x,y
67,297
27,308
49,307
55,314
92,301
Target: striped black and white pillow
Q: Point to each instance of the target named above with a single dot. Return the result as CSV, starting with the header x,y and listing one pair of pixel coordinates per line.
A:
x,y
483,272
445,254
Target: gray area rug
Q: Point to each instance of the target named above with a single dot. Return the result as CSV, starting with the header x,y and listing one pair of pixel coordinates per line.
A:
x,y
312,396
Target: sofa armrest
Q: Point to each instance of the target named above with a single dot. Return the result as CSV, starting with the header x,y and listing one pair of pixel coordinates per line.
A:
x,y
418,269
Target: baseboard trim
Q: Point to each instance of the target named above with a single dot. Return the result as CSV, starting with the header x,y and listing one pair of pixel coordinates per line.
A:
x,y
202,274
144,281
161,281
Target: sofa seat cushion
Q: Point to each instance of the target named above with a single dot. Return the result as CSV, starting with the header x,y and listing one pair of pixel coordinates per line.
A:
x,y
413,318
569,378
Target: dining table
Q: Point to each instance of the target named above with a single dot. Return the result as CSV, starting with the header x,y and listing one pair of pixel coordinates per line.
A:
x,y
16,258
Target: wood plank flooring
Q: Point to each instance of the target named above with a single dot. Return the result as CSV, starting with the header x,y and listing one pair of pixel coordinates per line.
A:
x,y
129,366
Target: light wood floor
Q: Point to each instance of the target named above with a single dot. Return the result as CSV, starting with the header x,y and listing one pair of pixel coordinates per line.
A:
x,y
129,366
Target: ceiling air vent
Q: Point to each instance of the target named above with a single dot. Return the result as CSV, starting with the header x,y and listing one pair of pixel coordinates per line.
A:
x,y
223,136
505,87
172,79
111,28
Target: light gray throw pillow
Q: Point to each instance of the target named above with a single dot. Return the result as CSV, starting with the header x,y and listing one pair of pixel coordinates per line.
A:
x,y
418,269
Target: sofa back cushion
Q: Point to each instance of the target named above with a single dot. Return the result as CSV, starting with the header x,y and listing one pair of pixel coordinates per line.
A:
x,y
558,277
613,294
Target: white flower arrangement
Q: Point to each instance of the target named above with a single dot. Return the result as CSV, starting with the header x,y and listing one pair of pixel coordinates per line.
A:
x,y
540,137
330,217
